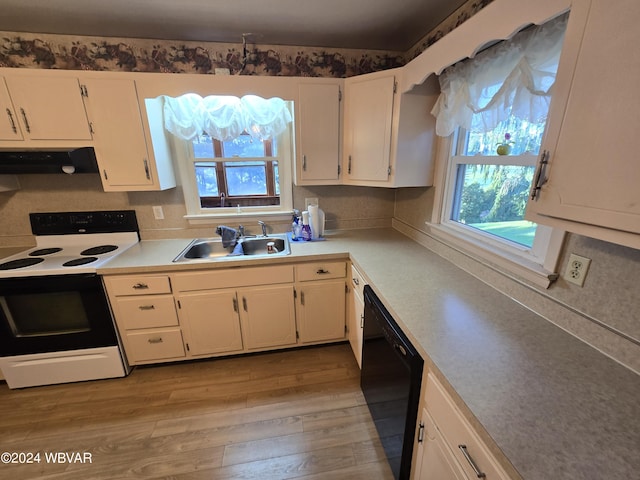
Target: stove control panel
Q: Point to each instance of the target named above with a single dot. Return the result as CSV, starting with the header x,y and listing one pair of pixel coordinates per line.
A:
x,y
68,223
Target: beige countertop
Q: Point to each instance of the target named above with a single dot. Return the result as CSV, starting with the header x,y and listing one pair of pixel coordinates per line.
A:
x,y
555,407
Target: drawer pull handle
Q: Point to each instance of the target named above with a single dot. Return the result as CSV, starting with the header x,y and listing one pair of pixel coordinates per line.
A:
x,y
26,120
147,307
322,271
155,340
140,286
476,470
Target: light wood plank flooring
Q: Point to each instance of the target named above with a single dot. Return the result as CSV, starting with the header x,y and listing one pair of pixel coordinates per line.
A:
x,y
280,415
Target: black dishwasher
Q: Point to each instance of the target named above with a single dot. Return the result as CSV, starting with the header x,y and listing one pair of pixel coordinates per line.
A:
x,y
390,380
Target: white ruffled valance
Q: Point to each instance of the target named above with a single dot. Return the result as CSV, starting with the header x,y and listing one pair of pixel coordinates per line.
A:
x,y
512,78
225,117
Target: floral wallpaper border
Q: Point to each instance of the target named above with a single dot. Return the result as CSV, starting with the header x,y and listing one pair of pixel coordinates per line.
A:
x,y
66,52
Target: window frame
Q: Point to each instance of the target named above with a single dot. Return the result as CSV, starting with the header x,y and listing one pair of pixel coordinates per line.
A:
x,y
536,265
196,214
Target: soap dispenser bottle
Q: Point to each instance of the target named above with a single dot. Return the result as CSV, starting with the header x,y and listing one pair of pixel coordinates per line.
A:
x,y
306,228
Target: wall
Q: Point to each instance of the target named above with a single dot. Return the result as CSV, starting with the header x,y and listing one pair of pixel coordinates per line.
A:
x,y
603,313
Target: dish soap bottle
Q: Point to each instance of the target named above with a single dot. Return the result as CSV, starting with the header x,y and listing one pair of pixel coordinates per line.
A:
x,y
306,228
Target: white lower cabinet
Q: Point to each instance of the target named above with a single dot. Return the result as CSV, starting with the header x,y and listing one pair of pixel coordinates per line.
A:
x,y
355,315
210,322
321,301
448,446
206,313
146,318
268,316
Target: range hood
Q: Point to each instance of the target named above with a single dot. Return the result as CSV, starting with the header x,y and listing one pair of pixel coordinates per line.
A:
x,y
79,160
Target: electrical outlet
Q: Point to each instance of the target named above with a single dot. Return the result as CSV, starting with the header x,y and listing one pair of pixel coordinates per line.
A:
x,y
158,214
310,201
577,269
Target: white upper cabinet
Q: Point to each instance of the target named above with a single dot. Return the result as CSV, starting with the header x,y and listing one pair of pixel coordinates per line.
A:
x,y
318,121
592,175
9,127
125,159
389,138
47,107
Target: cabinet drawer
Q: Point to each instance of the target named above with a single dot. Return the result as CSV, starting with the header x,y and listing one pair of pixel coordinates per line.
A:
x,y
357,282
138,285
148,311
232,278
155,345
321,271
457,432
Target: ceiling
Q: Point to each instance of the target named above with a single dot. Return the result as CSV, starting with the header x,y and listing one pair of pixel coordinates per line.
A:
x,y
362,24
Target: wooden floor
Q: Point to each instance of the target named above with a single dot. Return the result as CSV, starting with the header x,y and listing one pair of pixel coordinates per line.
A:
x,y
281,415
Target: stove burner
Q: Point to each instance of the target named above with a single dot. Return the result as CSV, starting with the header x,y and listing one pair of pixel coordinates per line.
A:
x,y
79,261
99,250
45,251
20,263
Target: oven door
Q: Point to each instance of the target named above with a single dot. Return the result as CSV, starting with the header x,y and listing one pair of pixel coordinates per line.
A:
x,y
54,313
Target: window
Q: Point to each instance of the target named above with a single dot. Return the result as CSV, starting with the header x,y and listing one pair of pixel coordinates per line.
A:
x,y
234,154
245,172
493,111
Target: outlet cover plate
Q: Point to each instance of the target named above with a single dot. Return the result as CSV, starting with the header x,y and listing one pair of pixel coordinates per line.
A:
x,y
577,268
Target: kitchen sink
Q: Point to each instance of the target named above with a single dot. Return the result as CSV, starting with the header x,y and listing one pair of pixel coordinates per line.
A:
x,y
211,249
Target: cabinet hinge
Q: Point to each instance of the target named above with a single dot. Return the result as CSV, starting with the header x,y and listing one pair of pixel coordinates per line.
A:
x,y
421,433
91,130
346,288
295,294
83,91
339,170
395,87
297,335
339,94
188,349
345,329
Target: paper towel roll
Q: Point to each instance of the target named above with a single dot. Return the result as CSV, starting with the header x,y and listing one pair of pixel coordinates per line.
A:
x,y
316,220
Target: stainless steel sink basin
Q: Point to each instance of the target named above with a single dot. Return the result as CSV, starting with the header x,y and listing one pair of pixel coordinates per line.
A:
x,y
211,249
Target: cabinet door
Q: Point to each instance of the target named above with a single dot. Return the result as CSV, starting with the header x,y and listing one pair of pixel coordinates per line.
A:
x,y
369,113
321,311
319,119
120,143
9,126
593,173
49,108
211,322
268,316
356,319
434,460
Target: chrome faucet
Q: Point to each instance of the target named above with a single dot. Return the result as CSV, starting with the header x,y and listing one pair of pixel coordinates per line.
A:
x,y
264,228
240,231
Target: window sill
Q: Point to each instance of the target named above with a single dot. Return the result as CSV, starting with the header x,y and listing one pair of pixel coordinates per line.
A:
x,y
213,218
493,256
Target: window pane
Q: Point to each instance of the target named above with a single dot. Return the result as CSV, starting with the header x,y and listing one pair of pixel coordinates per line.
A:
x,y
276,177
246,178
203,147
492,198
525,137
243,146
206,179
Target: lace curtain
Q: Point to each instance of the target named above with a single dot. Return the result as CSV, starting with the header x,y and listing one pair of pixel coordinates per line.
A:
x,y
225,117
514,77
